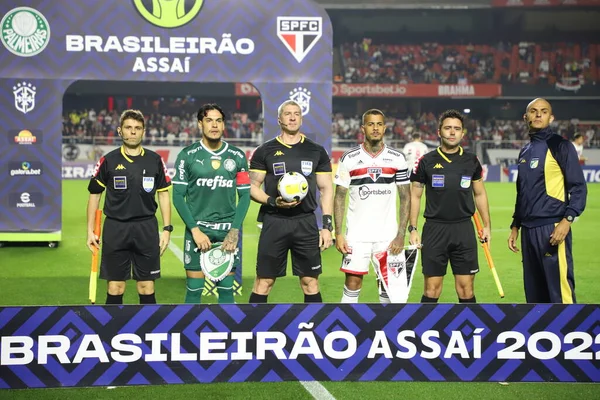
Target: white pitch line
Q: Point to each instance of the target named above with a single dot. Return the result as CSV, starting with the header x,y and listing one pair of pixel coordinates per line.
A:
x,y
316,390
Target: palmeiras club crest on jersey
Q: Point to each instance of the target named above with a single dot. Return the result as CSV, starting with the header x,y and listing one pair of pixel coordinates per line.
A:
x,y
24,93
301,96
299,34
374,173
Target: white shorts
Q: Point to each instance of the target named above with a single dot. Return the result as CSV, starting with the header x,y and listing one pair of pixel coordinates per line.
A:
x,y
358,260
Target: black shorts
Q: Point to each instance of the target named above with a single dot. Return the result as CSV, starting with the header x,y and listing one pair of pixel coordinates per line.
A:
x,y
454,242
128,246
280,234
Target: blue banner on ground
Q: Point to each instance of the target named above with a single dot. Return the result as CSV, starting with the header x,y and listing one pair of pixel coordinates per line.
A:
x,y
167,344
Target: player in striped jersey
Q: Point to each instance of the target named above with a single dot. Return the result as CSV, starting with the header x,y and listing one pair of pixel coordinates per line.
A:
x,y
372,174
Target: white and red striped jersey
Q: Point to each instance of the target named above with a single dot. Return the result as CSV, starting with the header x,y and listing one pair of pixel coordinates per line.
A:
x,y
413,152
371,181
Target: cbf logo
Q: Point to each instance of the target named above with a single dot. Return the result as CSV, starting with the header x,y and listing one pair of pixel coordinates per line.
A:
x,y
168,13
299,34
533,164
24,93
25,31
301,96
374,173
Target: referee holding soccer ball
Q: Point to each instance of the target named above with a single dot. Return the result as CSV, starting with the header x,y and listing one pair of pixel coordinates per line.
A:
x,y
291,226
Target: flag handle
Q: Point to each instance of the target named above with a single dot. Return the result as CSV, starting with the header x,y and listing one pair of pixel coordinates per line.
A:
x,y
94,266
488,255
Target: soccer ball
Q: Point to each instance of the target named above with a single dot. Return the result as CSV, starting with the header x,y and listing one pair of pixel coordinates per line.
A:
x,y
292,187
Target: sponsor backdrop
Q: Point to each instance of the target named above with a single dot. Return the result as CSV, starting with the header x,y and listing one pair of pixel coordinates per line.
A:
x,y
283,49
168,344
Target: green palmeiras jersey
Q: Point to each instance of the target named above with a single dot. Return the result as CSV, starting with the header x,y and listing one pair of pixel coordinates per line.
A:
x,y
209,181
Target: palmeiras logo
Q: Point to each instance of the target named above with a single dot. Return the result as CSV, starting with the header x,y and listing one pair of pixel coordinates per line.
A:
x,y
299,34
24,31
301,96
24,93
168,13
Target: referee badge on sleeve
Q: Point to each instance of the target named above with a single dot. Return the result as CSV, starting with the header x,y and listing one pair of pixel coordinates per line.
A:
x,y
465,182
148,183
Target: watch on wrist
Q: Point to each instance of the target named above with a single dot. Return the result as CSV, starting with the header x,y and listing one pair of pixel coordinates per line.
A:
x,y
168,228
272,201
412,228
328,222
570,218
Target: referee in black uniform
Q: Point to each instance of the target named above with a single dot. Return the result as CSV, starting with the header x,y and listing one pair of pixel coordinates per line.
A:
x,y
453,180
131,176
291,226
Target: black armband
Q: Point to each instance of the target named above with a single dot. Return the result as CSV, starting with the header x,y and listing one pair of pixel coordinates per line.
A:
x,y
328,222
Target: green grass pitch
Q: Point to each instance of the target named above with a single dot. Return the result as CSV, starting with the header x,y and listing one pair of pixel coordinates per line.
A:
x,y
44,276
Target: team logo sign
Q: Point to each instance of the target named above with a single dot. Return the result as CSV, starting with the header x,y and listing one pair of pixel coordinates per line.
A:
x,y
168,13
216,263
299,34
374,173
301,96
24,93
533,164
24,31
229,165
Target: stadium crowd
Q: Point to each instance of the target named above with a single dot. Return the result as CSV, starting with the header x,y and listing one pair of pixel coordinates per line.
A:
x,y
90,126
568,64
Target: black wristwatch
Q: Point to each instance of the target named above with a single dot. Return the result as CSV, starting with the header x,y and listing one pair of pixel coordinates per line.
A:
x,y
412,228
272,201
168,228
570,218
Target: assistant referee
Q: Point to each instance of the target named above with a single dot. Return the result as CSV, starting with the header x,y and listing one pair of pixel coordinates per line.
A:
x,y
453,179
132,176
291,226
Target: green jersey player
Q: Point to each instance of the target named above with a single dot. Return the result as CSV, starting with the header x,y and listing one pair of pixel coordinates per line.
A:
x,y
212,195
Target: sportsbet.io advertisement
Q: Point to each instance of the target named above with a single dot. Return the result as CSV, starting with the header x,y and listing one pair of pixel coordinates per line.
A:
x,y
277,46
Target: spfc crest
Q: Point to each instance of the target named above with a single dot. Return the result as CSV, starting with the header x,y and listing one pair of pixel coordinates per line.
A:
x,y
306,167
374,173
24,93
533,164
301,96
215,162
148,183
299,34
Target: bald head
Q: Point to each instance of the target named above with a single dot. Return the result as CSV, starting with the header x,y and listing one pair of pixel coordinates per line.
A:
x,y
538,115
539,102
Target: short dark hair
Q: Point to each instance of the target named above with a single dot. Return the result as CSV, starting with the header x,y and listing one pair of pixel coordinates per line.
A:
x,y
451,114
372,111
577,136
206,108
416,135
132,114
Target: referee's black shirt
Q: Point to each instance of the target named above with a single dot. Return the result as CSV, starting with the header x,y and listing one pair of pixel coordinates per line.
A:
x,y
131,183
276,158
448,180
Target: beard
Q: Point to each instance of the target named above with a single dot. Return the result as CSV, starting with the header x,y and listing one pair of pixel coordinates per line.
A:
x,y
131,143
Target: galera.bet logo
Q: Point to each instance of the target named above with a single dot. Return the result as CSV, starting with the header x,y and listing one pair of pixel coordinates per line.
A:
x,y
168,13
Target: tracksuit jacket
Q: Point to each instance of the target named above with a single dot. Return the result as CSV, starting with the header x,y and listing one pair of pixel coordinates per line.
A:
x,y
550,182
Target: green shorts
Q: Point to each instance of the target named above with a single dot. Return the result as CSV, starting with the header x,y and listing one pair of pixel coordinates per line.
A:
x,y
191,259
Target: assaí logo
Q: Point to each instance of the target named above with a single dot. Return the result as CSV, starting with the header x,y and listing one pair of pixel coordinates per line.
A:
x,y
166,14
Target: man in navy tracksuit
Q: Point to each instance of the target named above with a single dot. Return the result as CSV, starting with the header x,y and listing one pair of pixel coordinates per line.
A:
x,y
551,192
